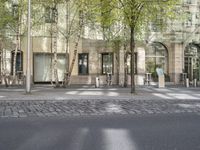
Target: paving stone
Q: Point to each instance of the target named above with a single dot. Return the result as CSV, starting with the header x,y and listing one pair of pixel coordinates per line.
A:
x,y
23,115
8,112
56,104
15,113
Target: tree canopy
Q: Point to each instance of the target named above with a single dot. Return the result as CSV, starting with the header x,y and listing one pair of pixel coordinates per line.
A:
x,y
136,15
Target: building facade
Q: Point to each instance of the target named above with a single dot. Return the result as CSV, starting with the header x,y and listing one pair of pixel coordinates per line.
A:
x,y
176,51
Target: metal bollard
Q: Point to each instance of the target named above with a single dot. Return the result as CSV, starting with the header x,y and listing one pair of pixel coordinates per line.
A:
x,y
97,82
195,82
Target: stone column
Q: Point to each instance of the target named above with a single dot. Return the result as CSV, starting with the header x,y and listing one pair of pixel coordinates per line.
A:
x,y
176,62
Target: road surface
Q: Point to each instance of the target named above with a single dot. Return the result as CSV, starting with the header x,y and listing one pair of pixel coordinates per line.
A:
x,y
111,132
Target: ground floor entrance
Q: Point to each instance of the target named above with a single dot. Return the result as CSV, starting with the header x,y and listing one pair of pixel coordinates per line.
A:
x,y
192,61
43,67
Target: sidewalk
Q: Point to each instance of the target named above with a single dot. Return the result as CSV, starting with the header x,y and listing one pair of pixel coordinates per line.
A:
x,y
45,101
89,92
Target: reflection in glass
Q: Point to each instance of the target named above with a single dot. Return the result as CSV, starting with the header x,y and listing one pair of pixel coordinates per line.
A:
x,y
107,63
156,56
83,64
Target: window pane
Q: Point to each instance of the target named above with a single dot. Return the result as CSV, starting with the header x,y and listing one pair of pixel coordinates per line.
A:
x,y
160,61
107,63
83,64
191,63
19,63
150,64
160,52
50,14
151,51
15,10
42,67
156,56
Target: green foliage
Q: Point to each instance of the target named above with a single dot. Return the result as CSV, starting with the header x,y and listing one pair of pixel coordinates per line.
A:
x,y
137,14
5,15
116,44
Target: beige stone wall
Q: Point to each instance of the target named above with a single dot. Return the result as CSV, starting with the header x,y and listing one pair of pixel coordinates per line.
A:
x,y
95,48
41,43
176,61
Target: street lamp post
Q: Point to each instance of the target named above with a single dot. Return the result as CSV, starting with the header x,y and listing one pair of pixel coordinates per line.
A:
x,y
28,55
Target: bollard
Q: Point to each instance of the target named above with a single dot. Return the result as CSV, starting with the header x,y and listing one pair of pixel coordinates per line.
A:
x,y
195,82
97,82
187,82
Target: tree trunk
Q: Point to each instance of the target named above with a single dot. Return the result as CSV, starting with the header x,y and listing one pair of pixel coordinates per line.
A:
x,y
51,57
66,75
125,70
118,72
76,46
55,60
4,64
132,47
74,58
125,65
15,56
117,58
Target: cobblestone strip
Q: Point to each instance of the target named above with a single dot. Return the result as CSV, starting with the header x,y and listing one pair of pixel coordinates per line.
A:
x,y
95,107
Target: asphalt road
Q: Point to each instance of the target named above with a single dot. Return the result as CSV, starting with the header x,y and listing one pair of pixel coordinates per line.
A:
x,y
144,132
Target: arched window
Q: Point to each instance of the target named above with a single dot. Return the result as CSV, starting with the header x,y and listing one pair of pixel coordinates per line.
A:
x,y
156,56
192,61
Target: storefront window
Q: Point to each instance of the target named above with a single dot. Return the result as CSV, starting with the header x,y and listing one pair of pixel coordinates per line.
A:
x,y
192,61
43,67
156,56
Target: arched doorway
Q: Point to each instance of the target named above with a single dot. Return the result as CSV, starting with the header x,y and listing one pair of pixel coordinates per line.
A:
x,y
192,61
156,55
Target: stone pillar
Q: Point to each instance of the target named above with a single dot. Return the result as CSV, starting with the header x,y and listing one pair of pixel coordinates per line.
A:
x,y
176,62
161,81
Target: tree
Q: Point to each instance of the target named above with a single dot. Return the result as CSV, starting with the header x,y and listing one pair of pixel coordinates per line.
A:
x,y
73,11
136,16
70,30
6,20
75,28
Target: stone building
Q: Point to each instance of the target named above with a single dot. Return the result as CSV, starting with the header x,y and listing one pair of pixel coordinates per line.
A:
x,y
176,51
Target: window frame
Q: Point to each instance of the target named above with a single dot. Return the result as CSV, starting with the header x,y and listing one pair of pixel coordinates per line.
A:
x,y
15,12
112,55
79,56
19,57
50,14
157,46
